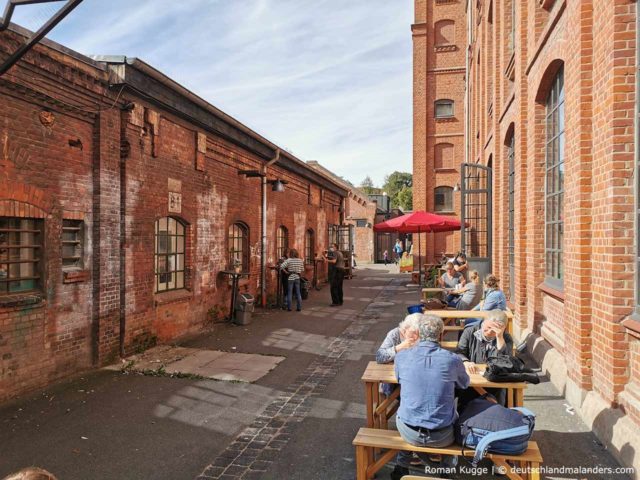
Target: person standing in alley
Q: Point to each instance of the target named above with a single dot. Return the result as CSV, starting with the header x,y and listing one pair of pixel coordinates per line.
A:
x,y
335,259
294,266
386,257
397,251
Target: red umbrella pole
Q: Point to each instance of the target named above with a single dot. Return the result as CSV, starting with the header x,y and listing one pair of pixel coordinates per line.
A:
x,y
419,260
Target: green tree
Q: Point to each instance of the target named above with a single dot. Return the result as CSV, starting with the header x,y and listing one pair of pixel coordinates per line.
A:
x,y
404,199
395,183
367,186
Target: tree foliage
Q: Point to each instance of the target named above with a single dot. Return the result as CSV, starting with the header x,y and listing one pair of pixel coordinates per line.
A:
x,y
398,186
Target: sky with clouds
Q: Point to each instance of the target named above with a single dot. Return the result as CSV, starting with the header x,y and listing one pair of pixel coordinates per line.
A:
x,y
329,80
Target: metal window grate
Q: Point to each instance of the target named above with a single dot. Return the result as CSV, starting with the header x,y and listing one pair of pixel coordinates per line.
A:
x,y
309,247
72,244
169,254
282,241
239,245
554,180
20,252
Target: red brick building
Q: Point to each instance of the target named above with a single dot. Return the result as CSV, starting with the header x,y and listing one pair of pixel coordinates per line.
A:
x,y
551,98
360,213
439,38
123,196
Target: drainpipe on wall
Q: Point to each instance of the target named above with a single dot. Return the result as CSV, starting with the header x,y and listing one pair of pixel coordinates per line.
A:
x,y
467,120
263,241
637,133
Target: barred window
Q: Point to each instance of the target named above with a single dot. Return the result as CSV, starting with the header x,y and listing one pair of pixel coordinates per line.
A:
x,y
309,247
443,199
72,244
444,108
554,188
511,227
239,246
169,254
20,254
282,241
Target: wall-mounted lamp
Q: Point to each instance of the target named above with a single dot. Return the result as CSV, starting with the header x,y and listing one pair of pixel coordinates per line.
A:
x,y
277,185
456,187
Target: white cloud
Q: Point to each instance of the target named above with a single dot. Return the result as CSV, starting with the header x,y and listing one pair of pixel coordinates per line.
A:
x,y
328,79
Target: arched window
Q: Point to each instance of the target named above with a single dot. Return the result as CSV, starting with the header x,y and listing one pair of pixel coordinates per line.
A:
x,y
445,33
169,254
443,155
444,108
239,246
443,199
309,247
282,241
554,187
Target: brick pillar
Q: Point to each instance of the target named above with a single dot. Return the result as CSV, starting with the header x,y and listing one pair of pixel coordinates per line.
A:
x,y
521,89
578,193
613,223
106,238
421,170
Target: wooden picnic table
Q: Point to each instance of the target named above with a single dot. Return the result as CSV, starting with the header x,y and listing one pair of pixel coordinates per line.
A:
x,y
379,410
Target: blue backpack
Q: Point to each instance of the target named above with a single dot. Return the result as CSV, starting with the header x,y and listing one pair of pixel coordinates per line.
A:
x,y
490,427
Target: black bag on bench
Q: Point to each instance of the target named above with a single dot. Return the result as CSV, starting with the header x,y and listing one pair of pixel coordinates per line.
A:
x,y
506,368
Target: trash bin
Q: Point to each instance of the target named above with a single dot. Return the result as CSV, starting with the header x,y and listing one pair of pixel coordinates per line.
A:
x,y
244,309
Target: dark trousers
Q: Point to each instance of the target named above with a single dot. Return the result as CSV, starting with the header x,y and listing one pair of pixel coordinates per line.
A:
x,y
336,286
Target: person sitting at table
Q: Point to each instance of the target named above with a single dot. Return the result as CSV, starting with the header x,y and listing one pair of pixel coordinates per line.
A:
x,y
405,335
427,408
480,342
450,279
494,299
460,264
470,294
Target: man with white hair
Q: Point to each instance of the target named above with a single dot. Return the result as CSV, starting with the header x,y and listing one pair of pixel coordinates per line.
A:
x,y
428,376
487,339
404,336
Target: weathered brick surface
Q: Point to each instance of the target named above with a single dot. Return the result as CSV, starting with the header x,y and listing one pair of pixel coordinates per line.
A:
x,y
508,84
68,150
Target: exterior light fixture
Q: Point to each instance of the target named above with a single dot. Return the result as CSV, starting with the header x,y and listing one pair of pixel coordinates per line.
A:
x,y
456,187
277,185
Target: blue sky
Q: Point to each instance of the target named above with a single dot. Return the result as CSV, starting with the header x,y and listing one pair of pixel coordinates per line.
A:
x,y
329,80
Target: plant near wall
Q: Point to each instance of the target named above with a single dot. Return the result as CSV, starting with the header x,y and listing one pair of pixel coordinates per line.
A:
x,y
215,314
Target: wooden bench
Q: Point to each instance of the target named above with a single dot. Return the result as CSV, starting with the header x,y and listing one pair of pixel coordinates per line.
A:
x,y
369,440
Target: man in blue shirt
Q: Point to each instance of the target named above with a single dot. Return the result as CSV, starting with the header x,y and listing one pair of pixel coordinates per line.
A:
x,y
428,376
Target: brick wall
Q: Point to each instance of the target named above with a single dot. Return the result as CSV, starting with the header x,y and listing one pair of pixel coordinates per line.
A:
x,y
72,148
508,83
438,145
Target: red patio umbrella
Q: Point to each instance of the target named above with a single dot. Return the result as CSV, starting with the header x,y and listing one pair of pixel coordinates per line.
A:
x,y
419,222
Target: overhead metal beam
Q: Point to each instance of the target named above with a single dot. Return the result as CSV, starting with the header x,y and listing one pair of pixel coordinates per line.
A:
x,y
37,36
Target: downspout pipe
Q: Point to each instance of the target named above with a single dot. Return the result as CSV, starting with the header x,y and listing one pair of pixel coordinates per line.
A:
x,y
263,240
637,134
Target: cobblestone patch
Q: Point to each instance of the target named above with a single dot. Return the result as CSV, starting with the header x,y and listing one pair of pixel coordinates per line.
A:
x,y
255,448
